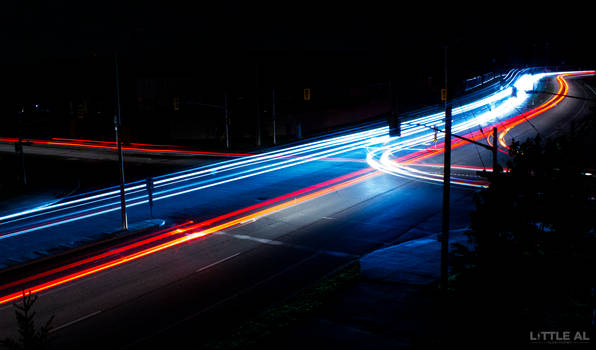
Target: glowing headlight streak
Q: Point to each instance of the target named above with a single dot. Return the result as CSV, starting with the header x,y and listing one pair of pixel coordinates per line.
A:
x,y
110,207
298,153
552,102
524,84
190,234
191,175
182,228
206,172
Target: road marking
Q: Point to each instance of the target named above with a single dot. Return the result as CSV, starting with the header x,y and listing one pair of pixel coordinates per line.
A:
x,y
251,238
217,262
285,244
75,321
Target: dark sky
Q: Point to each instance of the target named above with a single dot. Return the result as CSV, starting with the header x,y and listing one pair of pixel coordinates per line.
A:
x,y
62,49
409,33
60,27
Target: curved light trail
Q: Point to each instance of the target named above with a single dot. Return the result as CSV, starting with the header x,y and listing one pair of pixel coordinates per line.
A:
x,y
381,148
384,159
552,102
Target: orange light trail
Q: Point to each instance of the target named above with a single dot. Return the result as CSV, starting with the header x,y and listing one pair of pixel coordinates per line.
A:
x,y
190,233
552,102
505,126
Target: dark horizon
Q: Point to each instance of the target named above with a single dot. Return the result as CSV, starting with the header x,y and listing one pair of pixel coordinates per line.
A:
x,y
63,52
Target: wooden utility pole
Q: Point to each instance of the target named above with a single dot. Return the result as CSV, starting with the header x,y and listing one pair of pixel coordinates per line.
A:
x,y
446,189
118,127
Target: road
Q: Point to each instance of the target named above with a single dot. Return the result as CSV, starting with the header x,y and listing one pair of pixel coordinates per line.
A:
x,y
178,191
256,237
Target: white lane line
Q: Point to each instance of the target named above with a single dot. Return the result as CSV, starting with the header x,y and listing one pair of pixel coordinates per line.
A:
x,y
285,244
217,262
75,321
251,238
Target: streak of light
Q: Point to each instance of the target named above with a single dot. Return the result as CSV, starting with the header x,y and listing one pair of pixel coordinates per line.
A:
x,y
381,158
190,232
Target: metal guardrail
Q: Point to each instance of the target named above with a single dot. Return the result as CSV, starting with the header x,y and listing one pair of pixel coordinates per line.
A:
x,y
486,78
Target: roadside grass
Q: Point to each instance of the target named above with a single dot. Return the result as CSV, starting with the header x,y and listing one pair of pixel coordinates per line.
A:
x,y
278,317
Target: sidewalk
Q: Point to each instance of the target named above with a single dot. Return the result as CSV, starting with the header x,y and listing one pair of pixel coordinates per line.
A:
x,y
33,199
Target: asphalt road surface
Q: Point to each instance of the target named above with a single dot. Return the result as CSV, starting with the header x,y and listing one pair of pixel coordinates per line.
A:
x,y
204,286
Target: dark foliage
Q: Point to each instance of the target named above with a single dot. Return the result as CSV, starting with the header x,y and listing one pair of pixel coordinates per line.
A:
x,y
30,336
530,265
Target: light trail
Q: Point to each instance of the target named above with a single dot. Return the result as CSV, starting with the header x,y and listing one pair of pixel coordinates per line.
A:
x,y
111,145
187,233
179,228
298,153
110,207
552,102
238,169
85,206
382,158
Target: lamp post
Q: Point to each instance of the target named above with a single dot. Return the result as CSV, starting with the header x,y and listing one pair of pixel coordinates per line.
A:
x,y
227,120
273,116
18,146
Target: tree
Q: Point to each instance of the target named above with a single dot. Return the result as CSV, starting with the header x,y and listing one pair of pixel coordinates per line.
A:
x,y
530,259
30,337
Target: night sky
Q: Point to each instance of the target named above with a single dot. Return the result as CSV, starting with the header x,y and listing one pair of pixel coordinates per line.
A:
x,y
54,49
505,31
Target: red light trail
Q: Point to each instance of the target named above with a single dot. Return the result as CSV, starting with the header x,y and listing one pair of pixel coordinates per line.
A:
x,y
181,234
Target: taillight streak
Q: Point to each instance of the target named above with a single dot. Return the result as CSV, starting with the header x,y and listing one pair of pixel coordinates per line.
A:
x,y
189,233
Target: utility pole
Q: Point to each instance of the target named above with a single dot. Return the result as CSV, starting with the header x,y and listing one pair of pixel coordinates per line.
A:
x,y
394,124
258,96
446,190
18,146
118,126
227,121
446,204
226,116
273,115
495,149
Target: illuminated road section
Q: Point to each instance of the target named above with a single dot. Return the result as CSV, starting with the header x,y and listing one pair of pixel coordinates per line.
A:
x,y
376,140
